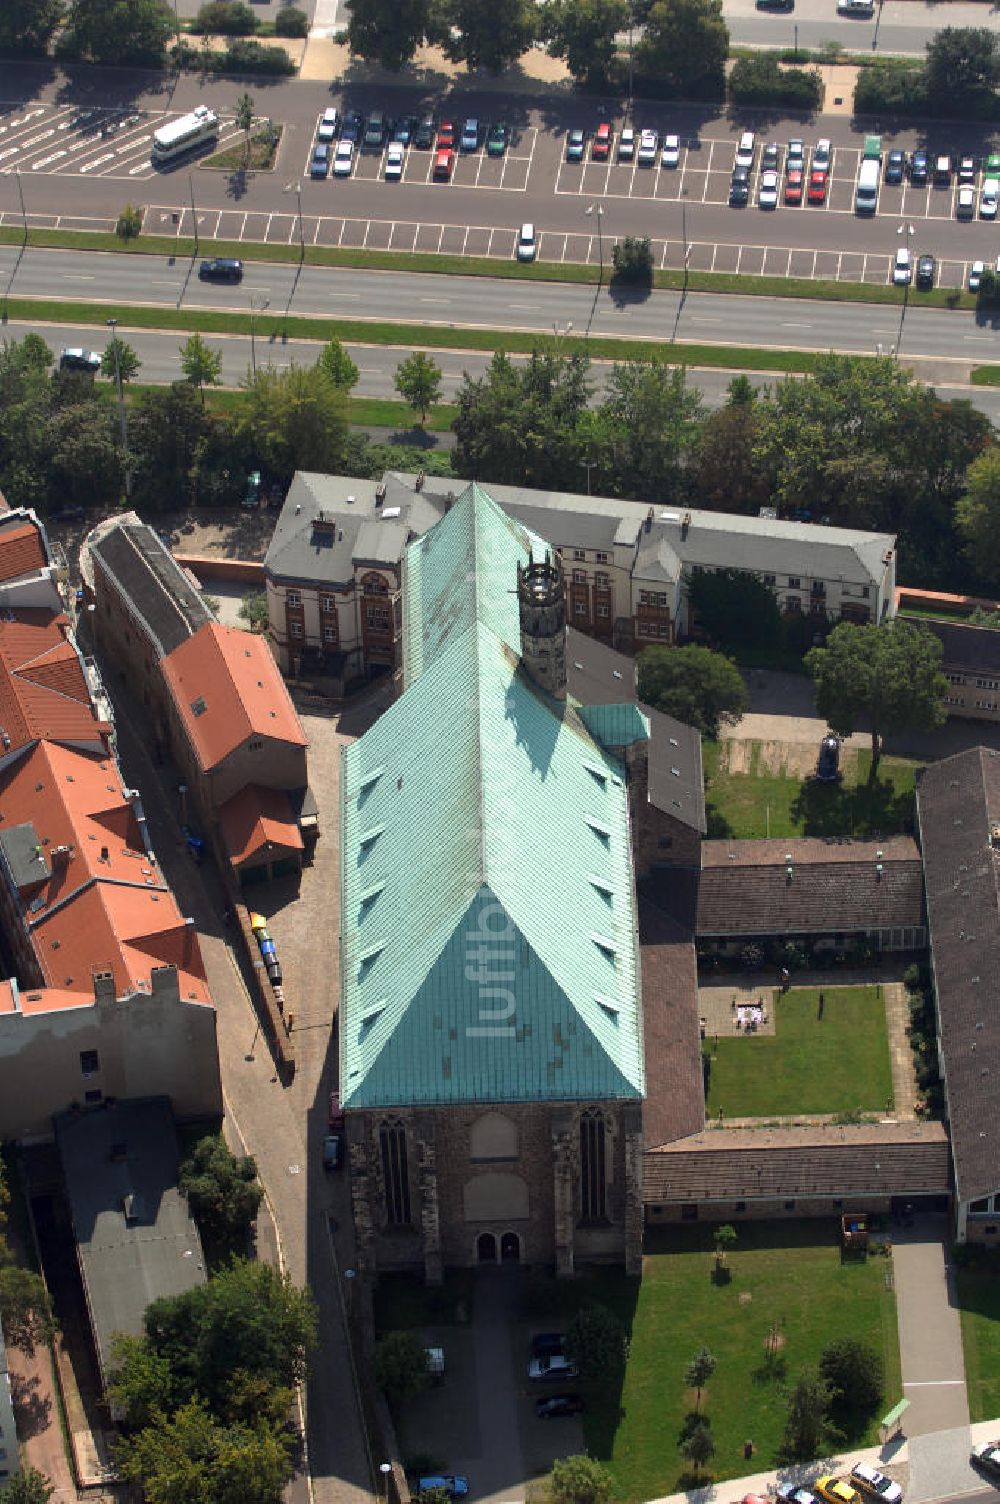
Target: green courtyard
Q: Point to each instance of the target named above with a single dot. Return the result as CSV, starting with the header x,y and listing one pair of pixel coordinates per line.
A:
x,y
829,1059
978,1285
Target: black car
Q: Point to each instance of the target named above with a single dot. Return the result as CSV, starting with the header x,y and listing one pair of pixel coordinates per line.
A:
x,y
895,166
547,1345
221,269
558,1405
423,136
374,138
404,129
353,127
775,4
926,268
919,168
770,157
828,765
739,188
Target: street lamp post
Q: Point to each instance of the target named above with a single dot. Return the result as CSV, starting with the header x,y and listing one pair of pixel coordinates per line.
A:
x,y
194,213
684,232
122,417
296,188
878,22
24,212
600,238
385,1468
905,230
257,305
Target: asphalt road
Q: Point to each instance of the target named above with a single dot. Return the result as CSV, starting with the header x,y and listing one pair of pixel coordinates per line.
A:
x,y
377,364
905,27
766,323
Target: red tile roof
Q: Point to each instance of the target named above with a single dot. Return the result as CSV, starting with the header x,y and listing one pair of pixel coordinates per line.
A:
x,y
257,818
233,680
43,689
22,549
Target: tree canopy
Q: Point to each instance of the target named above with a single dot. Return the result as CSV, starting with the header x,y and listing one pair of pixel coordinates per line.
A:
x,y
734,609
685,47
401,1365
27,26
580,1480
808,1408
597,1344
886,679
855,1376
418,382
583,33
977,515
962,72
192,1456
223,1193
297,420
693,684
387,32
488,34
27,1487
119,31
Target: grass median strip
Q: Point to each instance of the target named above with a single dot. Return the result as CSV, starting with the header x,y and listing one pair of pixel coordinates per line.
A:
x,y
985,376
183,249
407,336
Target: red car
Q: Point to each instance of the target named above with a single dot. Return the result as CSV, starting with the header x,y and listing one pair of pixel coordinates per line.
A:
x,y
817,187
446,135
600,150
793,186
443,161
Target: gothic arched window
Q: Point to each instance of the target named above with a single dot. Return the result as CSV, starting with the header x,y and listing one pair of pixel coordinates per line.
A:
x,y
395,1172
593,1166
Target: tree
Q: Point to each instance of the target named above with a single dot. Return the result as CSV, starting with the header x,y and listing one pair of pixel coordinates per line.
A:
x,y
726,476
27,1487
685,48
693,684
244,117
583,33
120,361
519,424
84,454
387,32
334,359
488,34
698,1373
291,22
119,31
27,26
230,18
128,225
418,382
886,677
579,1480
735,610
962,71
632,258
297,420
596,1343
758,80
698,1445
201,365
401,1365
854,1375
724,1238
253,610
977,516
808,1409
168,435
644,430
25,1309
223,1192
193,1458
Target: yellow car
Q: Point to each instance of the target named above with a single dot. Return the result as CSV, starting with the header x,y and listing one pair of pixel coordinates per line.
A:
x,y
836,1490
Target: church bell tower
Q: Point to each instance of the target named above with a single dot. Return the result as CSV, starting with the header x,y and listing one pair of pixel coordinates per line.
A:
x,y
541,598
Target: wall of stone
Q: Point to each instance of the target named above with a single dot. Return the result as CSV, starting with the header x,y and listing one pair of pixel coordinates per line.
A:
x,y
713,1212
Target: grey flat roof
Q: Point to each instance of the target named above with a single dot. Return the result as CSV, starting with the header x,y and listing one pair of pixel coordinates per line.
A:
x,y
150,577
25,855
118,1157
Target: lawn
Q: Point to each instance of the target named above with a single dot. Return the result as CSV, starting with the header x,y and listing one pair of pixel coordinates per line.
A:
x,y
263,150
784,1273
979,1299
762,803
837,1062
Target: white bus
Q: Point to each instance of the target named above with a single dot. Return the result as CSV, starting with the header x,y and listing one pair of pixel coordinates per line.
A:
x,y
173,140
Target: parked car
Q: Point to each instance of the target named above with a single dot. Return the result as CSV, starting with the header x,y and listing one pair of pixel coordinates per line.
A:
x,y
770,157
343,159
988,198
795,156
823,154
221,269
943,167
875,1484
746,150
353,127
739,188
626,144
976,275
860,8
423,136
965,203
895,166
375,131
88,362
600,149
576,142
767,195
443,163
793,186
405,129
775,4
987,1457
648,142
546,1344
251,494
554,1366
395,155
334,1113
790,1494
670,156
320,164
333,1151
558,1405
902,267
527,246
68,514
967,170
919,168
470,136
828,763
836,1490
926,270
446,136
327,129
818,180
496,140
455,1485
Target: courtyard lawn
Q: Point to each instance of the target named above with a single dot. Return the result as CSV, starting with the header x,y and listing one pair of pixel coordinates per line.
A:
x,y
761,802
835,1063
978,1286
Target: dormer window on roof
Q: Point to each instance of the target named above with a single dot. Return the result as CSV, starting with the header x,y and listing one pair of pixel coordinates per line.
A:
x,y
198,707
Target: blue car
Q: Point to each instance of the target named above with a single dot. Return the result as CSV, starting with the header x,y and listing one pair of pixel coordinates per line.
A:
x,y
453,1483
320,164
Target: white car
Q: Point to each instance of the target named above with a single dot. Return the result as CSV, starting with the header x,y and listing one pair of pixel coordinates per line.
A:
x,y
745,150
902,267
626,144
343,159
875,1484
670,156
976,275
823,154
965,204
527,245
855,7
647,148
327,129
988,198
767,198
394,157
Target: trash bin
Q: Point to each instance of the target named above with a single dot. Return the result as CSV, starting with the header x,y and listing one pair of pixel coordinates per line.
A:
x,y
274,972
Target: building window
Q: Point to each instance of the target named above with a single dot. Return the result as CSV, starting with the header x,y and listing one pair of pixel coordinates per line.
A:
x,y
93,1097
689,1212
580,608
329,634
643,597
988,683
89,1063
983,1205
255,744
818,587
986,704
602,557
865,592
579,553
293,598
375,585
741,1206
793,582
378,618
602,581
664,629
789,1206
395,1173
793,605
593,1166
768,579
328,603
602,609
954,699
955,678
579,577
295,628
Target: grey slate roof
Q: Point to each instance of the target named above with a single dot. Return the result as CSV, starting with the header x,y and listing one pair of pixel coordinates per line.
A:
x,y
148,575
967,649
371,525
852,1162
675,1087
958,805
744,888
109,1154
598,675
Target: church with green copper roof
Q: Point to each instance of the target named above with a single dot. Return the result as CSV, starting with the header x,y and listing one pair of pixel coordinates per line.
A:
x,y
491,1032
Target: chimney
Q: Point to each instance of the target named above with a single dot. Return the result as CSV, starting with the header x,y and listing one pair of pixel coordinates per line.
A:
x,y
418,484
449,502
541,595
685,524
649,519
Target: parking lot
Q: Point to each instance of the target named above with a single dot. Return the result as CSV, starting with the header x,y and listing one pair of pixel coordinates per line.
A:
x,y
62,140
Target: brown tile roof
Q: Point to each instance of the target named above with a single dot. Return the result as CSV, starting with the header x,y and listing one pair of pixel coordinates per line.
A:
x,y
43,689
233,680
835,886
22,548
256,819
958,805
675,1098
967,649
740,1164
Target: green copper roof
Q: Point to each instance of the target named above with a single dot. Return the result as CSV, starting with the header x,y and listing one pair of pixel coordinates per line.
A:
x,y
615,725
489,947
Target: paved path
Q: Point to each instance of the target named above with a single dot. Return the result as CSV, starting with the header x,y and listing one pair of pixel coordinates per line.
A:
x,y
497,1473
930,1335
905,1093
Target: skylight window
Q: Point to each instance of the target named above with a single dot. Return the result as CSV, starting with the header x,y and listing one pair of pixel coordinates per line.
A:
x,y
609,1006
598,773
609,947
369,837
198,707
599,830
603,887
